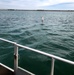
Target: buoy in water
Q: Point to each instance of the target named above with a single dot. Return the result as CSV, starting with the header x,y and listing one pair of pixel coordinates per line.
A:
x,y
42,19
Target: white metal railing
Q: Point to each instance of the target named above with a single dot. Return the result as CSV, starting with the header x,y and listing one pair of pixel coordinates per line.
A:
x,y
40,52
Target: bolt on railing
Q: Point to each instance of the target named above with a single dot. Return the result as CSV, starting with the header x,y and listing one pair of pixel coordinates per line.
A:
x,y
37,51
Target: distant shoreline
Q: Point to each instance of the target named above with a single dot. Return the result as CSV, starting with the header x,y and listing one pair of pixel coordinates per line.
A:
x,y
36,10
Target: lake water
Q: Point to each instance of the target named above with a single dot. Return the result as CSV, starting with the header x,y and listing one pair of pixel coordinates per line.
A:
x,y
54,36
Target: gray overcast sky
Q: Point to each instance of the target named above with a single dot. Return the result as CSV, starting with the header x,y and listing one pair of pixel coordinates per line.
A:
x,y
31,4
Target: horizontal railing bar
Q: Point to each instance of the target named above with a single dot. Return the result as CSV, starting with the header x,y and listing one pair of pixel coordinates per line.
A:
x,y
47,54
41,52
7,41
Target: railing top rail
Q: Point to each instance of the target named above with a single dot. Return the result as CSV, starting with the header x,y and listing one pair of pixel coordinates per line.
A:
x,y
41,52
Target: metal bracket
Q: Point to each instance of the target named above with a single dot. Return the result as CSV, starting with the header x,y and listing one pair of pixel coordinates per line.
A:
x,y
15,56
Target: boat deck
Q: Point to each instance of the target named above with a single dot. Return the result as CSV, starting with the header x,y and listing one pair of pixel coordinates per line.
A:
x,y
4,70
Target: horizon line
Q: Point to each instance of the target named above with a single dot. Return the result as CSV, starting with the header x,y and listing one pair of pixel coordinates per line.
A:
x,y
38,9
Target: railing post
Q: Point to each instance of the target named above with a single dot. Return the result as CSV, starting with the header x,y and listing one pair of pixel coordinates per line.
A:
x,y
52,66
15,59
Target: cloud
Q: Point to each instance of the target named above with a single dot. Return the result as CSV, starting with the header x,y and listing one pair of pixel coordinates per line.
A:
x,y
53,2
29,4
23,4
61,6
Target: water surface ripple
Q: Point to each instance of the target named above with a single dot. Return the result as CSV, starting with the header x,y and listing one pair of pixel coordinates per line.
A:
x,y
55,36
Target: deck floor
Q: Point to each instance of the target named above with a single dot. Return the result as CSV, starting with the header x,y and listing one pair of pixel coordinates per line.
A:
x,y
5,71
